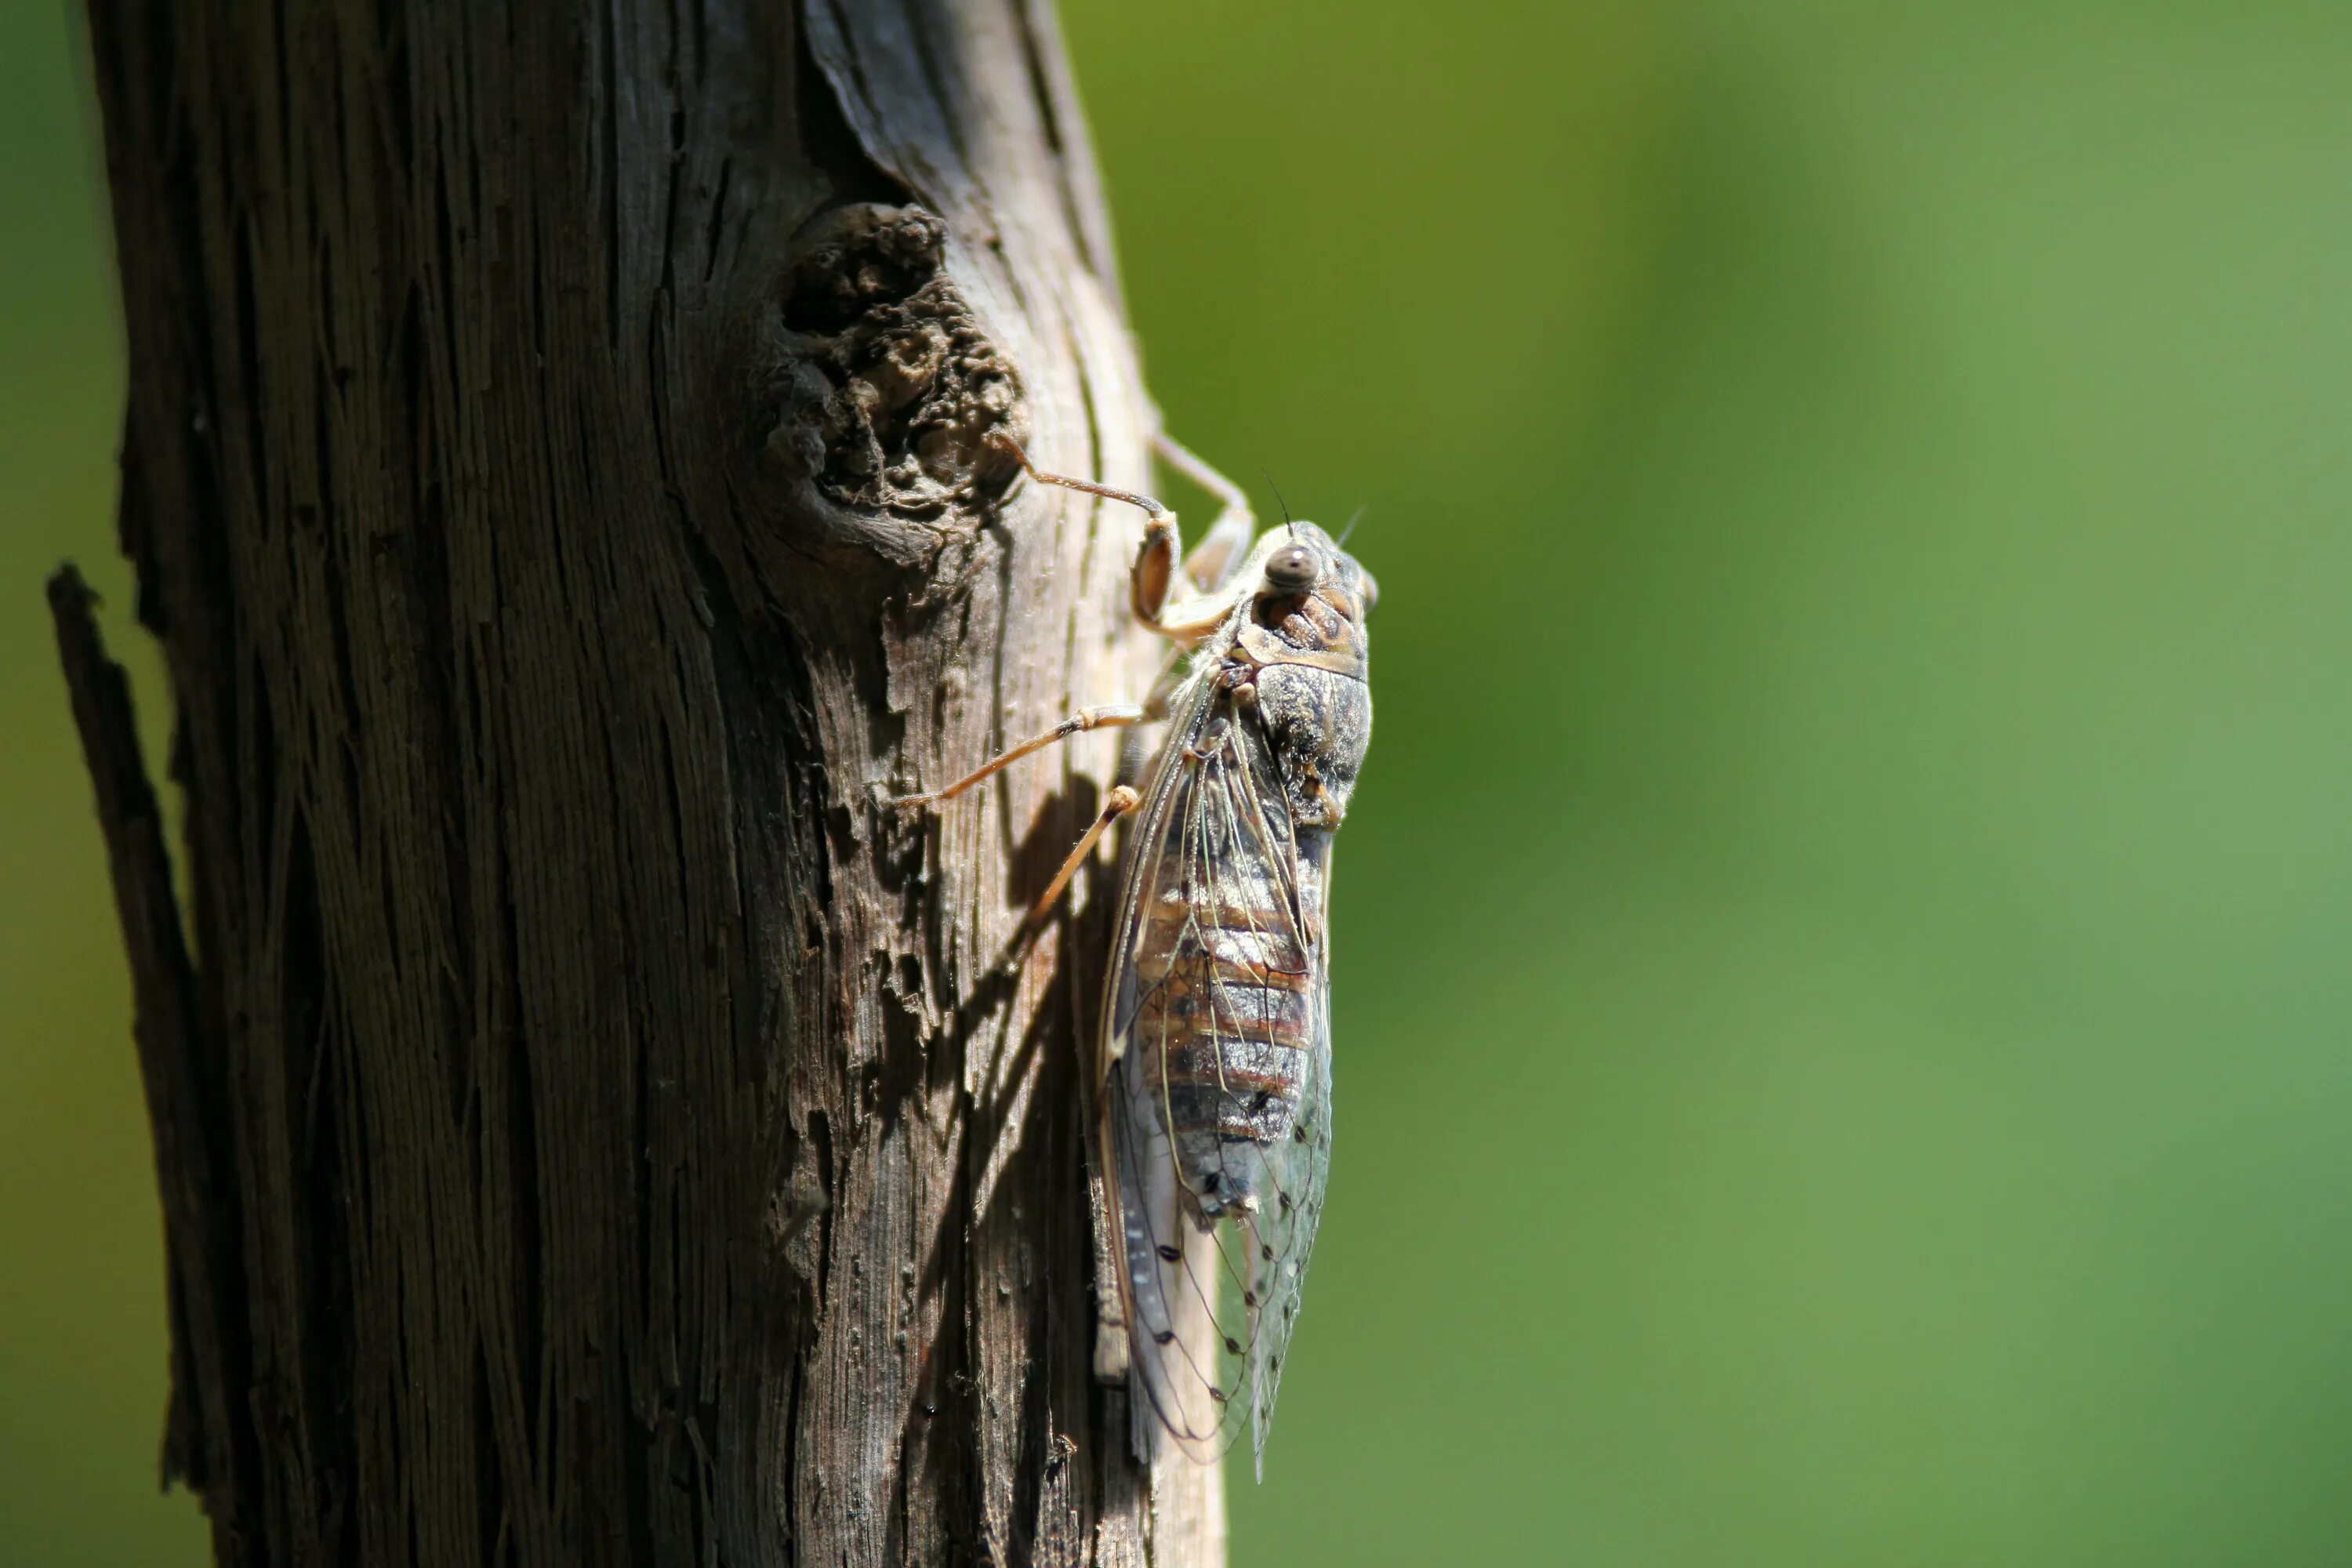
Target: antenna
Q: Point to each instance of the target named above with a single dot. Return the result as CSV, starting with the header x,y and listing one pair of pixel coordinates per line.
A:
x,y
1285,505
1351,527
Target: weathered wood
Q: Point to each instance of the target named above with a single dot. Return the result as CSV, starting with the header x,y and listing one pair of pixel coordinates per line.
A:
x,y
561,467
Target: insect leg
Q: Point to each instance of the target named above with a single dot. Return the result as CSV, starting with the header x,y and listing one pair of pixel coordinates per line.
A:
x,y
1078,724
1213,560
1155,564
1122,800
1153,577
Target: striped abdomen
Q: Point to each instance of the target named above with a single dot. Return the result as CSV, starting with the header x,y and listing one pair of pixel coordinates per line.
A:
x,y
1226,986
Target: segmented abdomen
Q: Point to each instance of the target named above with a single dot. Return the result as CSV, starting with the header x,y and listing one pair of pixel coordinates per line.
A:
x,y
1227,1004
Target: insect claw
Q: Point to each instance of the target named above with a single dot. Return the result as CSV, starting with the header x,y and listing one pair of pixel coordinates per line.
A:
x,y
904,806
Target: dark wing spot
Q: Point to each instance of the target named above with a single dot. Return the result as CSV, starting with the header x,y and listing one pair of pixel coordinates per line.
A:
x,y
1209,1182
1266,1252
1249,1297
1216,1393
1299,1132
1233,1344
1274,1363
1283,1199
1168,1252
1164,1337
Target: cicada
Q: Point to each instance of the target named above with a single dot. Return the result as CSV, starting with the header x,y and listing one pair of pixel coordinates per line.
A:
x,y
1213,1069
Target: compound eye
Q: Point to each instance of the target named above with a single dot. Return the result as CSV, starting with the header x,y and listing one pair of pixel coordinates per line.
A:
x,y
1372,590
1292,569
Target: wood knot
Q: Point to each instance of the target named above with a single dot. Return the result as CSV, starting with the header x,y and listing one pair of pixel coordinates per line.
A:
x,y
887,395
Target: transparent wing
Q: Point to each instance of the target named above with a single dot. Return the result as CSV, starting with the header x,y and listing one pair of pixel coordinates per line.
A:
x,y
1298,1169
1218,1087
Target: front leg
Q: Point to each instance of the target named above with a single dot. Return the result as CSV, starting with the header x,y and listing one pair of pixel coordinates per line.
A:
x,y
1150,584
1211,562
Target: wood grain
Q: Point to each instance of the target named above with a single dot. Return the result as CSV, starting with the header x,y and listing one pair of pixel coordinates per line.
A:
x,y
560,466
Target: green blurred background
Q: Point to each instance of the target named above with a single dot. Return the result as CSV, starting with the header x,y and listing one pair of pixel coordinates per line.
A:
x,y
1845,1026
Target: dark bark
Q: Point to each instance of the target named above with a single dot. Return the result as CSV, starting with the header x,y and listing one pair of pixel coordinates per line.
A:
x,y
562,469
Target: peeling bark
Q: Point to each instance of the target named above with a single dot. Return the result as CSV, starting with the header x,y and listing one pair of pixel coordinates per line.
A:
x,y
561,467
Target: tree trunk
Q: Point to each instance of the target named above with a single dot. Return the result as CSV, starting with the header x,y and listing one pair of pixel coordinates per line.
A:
x,y
562,468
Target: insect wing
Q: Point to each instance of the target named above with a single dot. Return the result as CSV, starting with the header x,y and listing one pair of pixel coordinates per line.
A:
x,y
1217,1084
1297,1169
